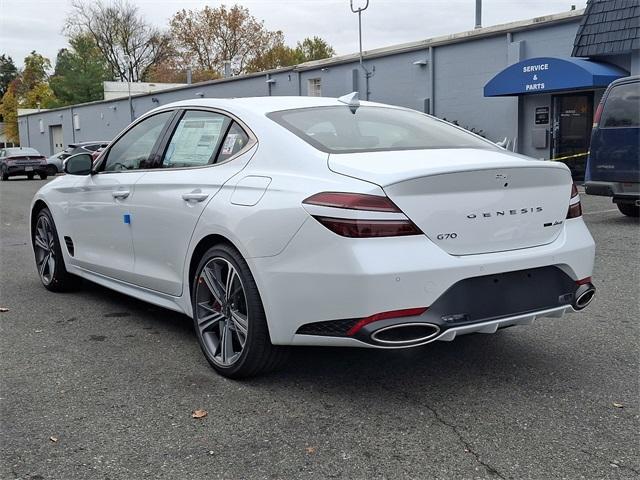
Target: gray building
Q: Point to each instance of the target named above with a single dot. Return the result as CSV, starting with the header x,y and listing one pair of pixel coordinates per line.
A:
x,y
517,81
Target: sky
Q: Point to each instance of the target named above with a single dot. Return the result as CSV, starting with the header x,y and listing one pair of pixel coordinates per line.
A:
x,y
27,25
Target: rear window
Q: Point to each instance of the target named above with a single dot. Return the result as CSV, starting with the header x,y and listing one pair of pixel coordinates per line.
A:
x,y
621,107
14,152
370,129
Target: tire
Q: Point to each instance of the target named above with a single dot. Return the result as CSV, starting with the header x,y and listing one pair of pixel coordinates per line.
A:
x,y
4,175
43,175
53,275
239,315
52,170
30,176
629,210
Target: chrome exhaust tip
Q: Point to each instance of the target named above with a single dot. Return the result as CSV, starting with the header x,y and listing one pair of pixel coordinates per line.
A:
x,y
406,334
583,296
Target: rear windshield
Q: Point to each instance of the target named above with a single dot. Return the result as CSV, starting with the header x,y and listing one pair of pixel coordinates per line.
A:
x,y
15,152
621,106
371,129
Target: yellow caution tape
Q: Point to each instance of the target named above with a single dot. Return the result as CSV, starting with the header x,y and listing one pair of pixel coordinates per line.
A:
x,y
557,159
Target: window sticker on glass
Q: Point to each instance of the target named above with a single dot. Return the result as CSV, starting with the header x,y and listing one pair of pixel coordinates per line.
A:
x,y
229,143
195,140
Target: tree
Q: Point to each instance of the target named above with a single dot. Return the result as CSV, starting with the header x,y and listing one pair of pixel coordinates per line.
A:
x,y
276,57
175,71
313,49
30,89
207,38
34,73
129,45
8,72
9,113
79,72
281,55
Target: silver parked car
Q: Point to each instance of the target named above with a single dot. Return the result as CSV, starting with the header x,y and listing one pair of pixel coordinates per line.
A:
x,y
55,162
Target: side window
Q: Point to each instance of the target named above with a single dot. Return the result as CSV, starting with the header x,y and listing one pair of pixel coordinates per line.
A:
x,y
196,140
621,106
133,149
235,141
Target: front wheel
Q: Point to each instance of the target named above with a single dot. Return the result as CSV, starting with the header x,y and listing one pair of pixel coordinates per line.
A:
x,y
52,170
228,316
629,210
30,176
49,260
3,174
43,175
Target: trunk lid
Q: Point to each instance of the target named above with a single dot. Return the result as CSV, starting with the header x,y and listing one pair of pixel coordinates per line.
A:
x,y
469,201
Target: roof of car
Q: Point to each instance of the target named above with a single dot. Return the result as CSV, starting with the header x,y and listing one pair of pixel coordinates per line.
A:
x,y
262,105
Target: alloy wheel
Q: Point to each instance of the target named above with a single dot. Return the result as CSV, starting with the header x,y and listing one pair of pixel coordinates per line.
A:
x,y
221,311
44,246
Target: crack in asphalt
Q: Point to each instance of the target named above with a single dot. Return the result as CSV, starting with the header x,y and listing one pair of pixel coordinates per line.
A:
x,y
456,430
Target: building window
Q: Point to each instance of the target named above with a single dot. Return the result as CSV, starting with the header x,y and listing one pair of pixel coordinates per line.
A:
x,y
76,121
41,125
314,88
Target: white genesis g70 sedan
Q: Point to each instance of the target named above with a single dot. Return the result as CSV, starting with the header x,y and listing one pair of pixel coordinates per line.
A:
x,y
282,221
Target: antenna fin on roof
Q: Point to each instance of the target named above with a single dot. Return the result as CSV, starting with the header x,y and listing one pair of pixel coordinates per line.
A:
x,y
352,100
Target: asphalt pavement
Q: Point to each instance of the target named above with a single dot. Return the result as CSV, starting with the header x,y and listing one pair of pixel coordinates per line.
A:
x,y
97,385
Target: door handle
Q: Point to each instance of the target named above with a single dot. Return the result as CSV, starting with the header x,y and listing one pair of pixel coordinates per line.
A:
x,y
195,197
120,194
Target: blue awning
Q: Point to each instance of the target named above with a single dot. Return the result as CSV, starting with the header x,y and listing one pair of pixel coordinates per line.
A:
x,y
550,74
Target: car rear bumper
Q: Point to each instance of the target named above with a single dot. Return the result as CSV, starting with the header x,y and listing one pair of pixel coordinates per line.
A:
x,y
13,170
322,277
622,192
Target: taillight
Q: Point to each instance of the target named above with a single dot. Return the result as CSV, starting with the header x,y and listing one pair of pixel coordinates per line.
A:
x,y
597,115
575,209
362,227
355,228
353,201
408,312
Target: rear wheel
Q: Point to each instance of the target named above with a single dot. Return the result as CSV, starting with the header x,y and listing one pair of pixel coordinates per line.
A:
x,y
30,176
629,210
228,316
3,174
43,175
52,170
49,260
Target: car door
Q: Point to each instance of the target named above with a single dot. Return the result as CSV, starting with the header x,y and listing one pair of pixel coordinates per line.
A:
x,y
98,213
205,149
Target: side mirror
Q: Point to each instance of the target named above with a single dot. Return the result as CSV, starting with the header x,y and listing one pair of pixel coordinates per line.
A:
x,y
80,164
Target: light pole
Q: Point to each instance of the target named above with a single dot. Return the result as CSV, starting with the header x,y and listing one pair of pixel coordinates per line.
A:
x,y
127,59
367,73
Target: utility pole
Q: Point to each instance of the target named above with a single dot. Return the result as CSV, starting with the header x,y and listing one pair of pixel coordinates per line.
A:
x,y
367,73
478,13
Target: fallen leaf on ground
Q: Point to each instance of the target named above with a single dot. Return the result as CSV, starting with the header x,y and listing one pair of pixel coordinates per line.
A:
x,y
310,450
4,309
199,413
53,439
618,405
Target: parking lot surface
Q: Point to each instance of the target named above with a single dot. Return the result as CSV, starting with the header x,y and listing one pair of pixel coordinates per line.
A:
x,y
97,385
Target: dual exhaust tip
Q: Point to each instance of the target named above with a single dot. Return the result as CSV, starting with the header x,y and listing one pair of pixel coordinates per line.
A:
x,y
407,334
